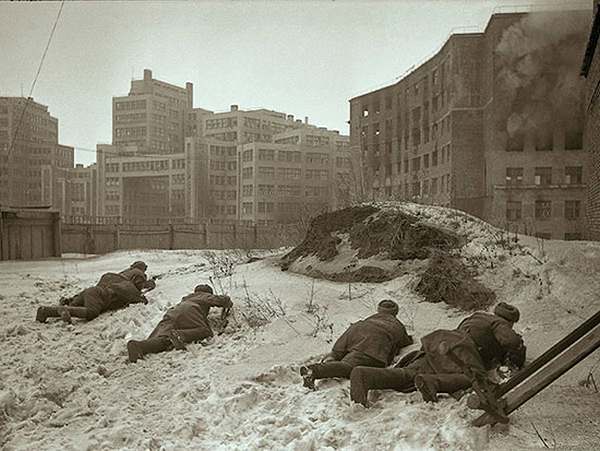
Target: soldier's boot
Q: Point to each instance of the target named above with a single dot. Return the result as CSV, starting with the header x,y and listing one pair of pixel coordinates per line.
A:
x,y
429,385
45,312
363,379
138,349
308,378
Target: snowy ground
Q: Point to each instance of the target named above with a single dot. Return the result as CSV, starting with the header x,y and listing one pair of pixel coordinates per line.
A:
x,y
70,387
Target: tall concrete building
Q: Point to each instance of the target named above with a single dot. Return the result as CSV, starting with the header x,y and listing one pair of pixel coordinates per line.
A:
x,y
263,167
491,124
152,117
591,71
170,161
31,171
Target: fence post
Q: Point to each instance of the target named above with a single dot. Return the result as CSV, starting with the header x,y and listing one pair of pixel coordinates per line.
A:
x,y
171,236
255,236
117,240
57,236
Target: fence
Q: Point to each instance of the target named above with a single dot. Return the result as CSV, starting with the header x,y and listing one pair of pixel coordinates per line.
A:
x,y
27,234
104,238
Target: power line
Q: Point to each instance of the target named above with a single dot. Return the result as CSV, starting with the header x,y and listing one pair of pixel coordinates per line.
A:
x,y
35,79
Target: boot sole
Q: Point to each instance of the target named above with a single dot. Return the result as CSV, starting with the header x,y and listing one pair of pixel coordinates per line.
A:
x,y
133,352
40,317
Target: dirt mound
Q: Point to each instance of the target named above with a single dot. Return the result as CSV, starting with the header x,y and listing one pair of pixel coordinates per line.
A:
x,y
371,231
319,239
449,280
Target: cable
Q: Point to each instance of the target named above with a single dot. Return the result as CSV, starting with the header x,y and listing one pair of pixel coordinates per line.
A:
x,y
37,74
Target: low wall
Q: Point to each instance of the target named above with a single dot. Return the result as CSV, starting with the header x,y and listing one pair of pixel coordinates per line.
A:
x,y
104,238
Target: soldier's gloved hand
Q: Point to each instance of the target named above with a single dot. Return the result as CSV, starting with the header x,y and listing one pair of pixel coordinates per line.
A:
x,y
144,299
176,340
328,358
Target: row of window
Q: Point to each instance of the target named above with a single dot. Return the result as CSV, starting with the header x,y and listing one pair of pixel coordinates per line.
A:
x,y
573,175
223,195
220,165
223,180
543,210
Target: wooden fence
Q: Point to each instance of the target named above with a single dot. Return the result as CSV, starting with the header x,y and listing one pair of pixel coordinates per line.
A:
x,y
28,234
104,238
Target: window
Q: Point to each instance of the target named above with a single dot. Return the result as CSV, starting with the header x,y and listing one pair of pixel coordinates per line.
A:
x,y
543,209
247,173
573,175
247,208
416,189
247,190
406,166
513,210
544,140
434,158
543,176
426,161
514,176
266,171
266,154
574,137
572,209
416,164
434,186
247,155
515,143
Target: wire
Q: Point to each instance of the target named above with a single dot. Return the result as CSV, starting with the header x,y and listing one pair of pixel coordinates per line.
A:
x,y
37,74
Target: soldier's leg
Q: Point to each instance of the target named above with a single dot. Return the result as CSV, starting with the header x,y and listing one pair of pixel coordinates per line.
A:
x,y
46,312
363,379
138,349
431,384
343,368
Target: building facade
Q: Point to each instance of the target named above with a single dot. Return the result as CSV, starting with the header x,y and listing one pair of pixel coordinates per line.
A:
x,y
152,117
591,71
32,163
470,128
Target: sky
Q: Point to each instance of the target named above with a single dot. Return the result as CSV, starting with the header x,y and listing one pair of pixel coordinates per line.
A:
x,y
305,58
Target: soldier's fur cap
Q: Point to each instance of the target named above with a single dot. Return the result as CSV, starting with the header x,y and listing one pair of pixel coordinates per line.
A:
x,y
508,312
139,265
387,306
203,288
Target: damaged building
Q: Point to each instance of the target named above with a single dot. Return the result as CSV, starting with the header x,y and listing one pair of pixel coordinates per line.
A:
x,y
491,124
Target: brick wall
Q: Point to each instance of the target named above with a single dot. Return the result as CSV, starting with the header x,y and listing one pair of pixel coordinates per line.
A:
x,y
592,146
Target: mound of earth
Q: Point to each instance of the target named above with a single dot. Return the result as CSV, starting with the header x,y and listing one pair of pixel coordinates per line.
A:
x,y
367,244
379,242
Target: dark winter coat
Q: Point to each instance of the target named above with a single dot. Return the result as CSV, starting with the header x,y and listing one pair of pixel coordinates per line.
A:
x,y
495,339
135,275
380,336
461,345
100,299
189,317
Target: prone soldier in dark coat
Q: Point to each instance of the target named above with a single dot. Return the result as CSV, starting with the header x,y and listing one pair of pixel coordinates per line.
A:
x,y
372,342
93,301
186,322
481,342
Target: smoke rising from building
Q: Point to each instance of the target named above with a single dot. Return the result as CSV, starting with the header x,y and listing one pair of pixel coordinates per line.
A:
x,y
538,75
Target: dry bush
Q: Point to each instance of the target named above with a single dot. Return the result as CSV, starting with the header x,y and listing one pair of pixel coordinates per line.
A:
x,y
448,280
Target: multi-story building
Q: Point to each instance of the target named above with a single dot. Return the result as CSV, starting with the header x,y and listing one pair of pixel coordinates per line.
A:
x,y
263,167
31,160
152,117
471,129
147,172
134,185
591,71
83,196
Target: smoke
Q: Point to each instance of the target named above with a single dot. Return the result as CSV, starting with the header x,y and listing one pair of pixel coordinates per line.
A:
x,y
538,74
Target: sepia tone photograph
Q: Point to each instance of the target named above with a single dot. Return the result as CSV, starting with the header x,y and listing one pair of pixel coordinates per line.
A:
x,y
300,225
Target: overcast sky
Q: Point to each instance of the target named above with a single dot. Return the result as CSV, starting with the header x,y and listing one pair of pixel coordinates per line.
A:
x,y
306,58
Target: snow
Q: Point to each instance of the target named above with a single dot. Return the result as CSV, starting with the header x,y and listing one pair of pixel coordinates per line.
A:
x,y
70,386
